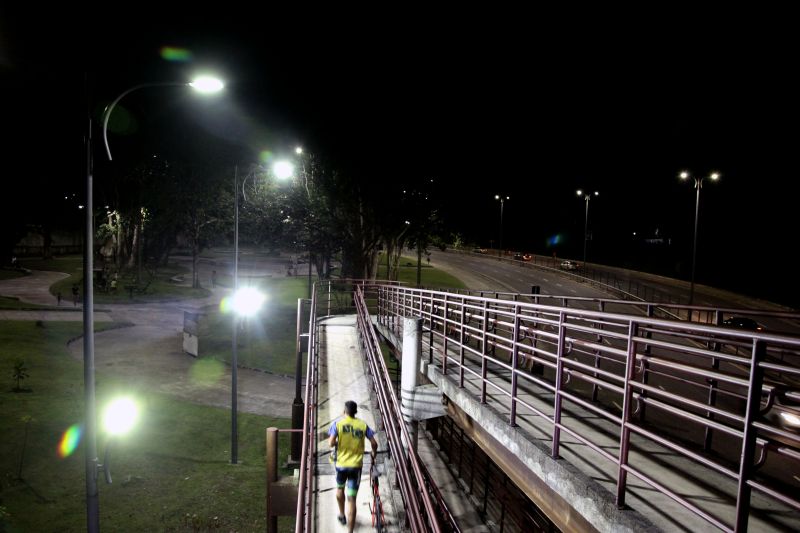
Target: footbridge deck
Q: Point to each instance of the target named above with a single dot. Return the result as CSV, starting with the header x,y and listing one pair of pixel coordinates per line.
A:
x,y
614,421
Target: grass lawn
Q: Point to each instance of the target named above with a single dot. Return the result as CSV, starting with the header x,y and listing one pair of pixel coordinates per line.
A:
x,y
431,277
8,302
267,341
8,273
170,474
160,287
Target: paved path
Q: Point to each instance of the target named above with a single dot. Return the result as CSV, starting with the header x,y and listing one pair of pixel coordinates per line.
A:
x,y
149,354
35,288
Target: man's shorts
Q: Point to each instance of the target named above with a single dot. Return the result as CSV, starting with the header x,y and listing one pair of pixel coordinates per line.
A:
x,y
351,476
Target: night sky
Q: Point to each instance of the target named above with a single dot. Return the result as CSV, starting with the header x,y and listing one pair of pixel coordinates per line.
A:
x,y
531,105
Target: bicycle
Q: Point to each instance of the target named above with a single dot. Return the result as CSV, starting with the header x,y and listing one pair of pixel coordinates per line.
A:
x,y
376,507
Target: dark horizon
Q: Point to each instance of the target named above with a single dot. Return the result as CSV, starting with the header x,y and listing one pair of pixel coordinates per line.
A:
x,y
525,117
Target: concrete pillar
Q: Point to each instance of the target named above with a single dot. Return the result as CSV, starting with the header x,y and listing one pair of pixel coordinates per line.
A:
x,y
412,346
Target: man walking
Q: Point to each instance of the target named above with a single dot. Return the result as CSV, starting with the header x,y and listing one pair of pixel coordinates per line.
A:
x,y
346,436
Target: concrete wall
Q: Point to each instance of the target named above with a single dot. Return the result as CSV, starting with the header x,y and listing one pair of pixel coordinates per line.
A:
x,y
572,500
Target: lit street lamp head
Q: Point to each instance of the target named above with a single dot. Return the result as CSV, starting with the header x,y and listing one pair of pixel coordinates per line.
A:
x,y
247,301
283,169
120,416
684,175
207,84
202,84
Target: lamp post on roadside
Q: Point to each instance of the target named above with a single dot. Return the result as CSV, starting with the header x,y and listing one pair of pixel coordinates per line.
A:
x,y
698,184
203,84
587,196
282,170
502,202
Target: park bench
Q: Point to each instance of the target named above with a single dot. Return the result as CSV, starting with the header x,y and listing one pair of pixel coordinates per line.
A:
x,y
137,289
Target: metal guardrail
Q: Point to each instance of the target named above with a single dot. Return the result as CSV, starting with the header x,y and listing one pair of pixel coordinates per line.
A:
x,y
420,513
305,491
658,309
558,364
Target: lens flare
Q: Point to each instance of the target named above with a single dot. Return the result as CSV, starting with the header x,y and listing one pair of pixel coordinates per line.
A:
x,y
554,240
69,441
206,372
173,53
265,156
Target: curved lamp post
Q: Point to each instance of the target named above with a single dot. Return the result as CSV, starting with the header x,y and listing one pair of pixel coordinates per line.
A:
x,y
587,196
698,184
282,170
502,201
203,84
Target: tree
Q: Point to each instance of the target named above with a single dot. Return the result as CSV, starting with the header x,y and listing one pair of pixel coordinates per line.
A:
x,y
202,208
19,374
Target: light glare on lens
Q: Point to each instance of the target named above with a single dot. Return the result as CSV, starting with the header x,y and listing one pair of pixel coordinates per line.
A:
x,y
120,416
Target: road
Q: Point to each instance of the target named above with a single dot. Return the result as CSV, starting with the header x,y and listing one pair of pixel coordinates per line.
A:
x,y
488,272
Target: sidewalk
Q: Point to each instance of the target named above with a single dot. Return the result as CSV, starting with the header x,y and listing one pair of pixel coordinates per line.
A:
x,y
148,353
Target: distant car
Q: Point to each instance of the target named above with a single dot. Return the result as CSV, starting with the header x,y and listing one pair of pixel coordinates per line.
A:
x,y
785,413
527,257
741,322
569,265
479,251
518,256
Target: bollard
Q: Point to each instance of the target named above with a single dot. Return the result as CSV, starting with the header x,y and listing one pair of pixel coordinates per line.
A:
x,y
272,477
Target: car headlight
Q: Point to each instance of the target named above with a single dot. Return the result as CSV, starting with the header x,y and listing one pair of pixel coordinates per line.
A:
x,y
790,419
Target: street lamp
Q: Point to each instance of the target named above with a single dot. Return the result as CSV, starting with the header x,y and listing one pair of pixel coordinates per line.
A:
x,y
502,201
119,417
204,84
698,184
587,196
282,170
245,303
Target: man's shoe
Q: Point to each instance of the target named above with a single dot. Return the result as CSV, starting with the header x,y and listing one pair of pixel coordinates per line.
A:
x,y
342,520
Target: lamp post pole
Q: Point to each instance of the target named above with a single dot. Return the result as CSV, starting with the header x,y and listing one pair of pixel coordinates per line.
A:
x,y
698,184
586,197
502,202
92,499
283,170
234,348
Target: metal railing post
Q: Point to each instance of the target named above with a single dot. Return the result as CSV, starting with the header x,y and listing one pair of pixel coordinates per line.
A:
x,y
749,436
557,393
625,432
514,356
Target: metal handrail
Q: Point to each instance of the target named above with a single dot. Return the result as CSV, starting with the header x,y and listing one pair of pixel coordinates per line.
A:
x,y
305,491
418,502
679,369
